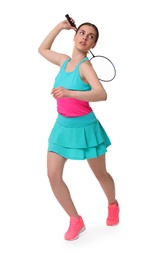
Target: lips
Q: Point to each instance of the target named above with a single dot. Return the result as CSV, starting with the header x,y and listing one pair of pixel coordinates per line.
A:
x,y
83,43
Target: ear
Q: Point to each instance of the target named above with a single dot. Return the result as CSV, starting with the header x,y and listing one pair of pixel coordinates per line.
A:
x,y
93,45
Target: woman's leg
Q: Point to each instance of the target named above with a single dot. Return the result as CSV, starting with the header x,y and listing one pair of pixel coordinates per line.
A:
x,y
98,166
55,165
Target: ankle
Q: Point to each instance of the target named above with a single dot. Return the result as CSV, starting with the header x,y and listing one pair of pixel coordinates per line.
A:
x,y
75,216
115,202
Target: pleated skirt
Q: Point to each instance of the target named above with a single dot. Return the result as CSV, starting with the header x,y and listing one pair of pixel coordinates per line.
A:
x,y
78,138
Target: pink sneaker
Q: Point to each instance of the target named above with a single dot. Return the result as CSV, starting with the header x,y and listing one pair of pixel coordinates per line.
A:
x,y
113,215
75,228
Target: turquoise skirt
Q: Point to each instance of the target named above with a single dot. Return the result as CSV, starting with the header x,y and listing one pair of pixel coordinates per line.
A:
x,y
78,138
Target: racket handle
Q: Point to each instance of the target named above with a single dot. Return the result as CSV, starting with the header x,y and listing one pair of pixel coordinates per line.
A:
x,y
69,20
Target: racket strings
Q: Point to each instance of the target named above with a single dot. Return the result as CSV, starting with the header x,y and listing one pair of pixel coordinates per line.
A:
x,y
104,67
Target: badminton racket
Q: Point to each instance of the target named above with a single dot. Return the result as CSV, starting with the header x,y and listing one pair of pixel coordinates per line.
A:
x,y
103,66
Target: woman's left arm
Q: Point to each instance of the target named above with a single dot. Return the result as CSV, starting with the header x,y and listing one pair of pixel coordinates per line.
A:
x,y
97,93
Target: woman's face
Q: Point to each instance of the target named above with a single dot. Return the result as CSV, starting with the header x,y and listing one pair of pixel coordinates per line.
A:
x,y
85,38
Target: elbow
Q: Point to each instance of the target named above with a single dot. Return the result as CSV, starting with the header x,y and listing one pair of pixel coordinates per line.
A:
x,y
40,50
105,97
101,96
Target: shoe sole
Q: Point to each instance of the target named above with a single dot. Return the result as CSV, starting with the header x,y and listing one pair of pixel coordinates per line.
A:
x,y
110,225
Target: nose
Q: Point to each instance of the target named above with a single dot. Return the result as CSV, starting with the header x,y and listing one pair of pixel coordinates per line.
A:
x,y
85,37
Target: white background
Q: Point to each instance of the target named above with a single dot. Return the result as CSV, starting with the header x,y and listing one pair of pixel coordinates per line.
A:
x,y
32,223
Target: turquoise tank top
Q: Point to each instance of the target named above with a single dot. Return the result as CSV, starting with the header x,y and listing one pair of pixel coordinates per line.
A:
x,y
71,107
71,80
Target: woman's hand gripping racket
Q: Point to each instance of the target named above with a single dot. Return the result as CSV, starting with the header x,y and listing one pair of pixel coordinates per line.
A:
x,y
103,66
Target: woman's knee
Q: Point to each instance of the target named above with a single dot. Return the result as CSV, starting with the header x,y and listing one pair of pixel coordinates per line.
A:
x,y
55,167
51,173
101,175
54,177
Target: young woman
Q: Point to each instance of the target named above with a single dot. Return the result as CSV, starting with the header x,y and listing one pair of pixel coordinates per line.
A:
x,y
77,134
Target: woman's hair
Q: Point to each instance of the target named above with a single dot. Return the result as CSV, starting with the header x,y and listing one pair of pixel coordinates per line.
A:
x,y
92,25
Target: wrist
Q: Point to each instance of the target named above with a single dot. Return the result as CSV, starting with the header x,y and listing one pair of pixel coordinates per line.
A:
x,y
71,94
59,26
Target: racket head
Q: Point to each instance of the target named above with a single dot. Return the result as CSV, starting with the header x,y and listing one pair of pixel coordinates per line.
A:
x,y
103,67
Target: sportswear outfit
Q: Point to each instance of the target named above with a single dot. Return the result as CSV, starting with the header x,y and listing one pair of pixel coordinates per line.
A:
x,y
77,134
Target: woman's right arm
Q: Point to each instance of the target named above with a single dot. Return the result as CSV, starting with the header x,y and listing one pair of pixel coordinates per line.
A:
x,y
45,47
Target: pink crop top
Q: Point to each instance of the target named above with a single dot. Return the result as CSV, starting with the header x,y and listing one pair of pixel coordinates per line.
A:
x,y
72,107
